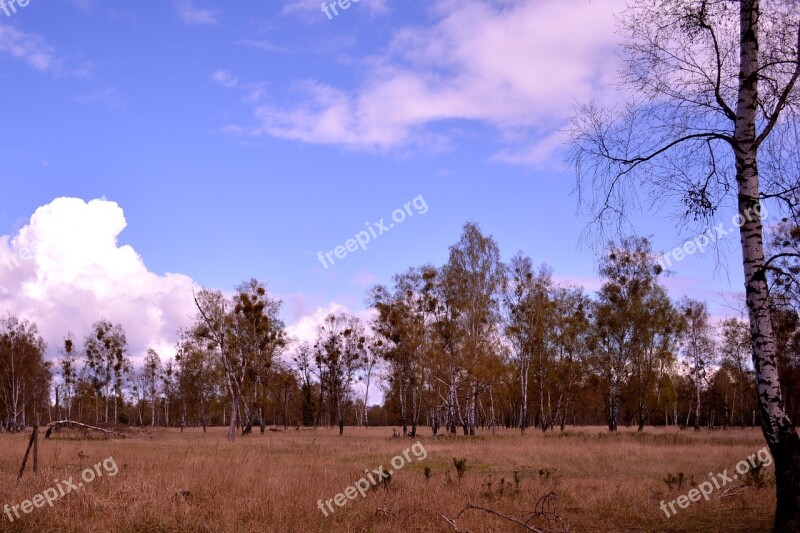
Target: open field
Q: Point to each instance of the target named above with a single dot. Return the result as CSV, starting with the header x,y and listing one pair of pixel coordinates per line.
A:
x,y
199,482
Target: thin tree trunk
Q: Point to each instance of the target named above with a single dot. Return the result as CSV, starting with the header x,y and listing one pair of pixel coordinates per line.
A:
x,y
472,414
523,409
613,406
491,411
58,404
234,416
541,394
403,412
415,408
689,413
452,403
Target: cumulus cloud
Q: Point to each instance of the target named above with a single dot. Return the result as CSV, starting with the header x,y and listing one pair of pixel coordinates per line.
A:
x,y
65,270
515,65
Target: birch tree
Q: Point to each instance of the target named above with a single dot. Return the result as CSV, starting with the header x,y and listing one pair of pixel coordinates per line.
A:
x,y
302,362
105,356
529,312
213,327
197,378
340,353
167,381
698,348
570,331
245,334
68,371
474,274
626,324
734,350
24,374
657,330
401,327
151,370
710,116
258,336
446,325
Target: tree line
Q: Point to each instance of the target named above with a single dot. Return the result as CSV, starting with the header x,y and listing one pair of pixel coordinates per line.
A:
x,y
474,343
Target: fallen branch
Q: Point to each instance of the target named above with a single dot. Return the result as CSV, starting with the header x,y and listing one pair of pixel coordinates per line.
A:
x,y
545,508
55,426
470,505
732,491
451,521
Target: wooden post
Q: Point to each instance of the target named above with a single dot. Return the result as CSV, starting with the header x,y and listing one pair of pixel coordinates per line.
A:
x,y
25,459
36,449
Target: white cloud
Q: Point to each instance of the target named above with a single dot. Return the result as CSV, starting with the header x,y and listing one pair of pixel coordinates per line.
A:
x,y
515,65
65,270
225,79
252,92
537,154
195,16
305,328
28,47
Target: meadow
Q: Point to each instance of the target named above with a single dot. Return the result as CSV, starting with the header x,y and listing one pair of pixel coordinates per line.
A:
x,y
169,481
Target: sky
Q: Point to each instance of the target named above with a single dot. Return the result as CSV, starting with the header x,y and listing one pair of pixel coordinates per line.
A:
x,y
149,147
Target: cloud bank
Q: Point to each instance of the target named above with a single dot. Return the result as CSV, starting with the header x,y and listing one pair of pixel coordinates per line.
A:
x,y
65,270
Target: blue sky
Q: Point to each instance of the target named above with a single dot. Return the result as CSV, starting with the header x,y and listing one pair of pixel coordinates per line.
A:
x,y
239,139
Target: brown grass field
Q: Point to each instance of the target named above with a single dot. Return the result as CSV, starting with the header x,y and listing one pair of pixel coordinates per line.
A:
x,y
192,481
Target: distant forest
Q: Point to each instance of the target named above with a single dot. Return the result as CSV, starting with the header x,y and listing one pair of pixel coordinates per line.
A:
x,y
474,343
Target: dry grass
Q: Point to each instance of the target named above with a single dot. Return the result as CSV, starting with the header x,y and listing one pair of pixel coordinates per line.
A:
x,y
272,482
